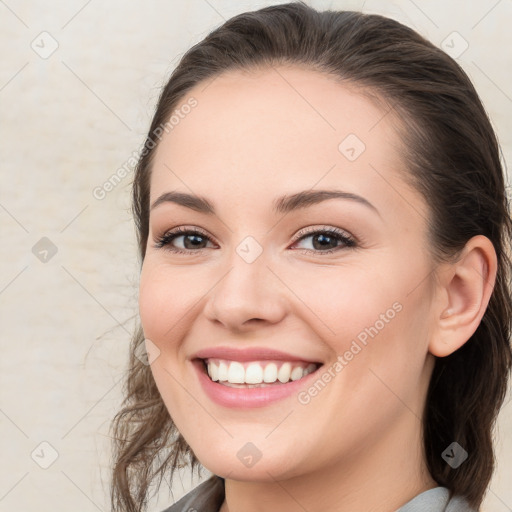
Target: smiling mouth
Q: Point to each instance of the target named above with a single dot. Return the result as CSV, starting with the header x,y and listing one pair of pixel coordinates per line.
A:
x,y
256,374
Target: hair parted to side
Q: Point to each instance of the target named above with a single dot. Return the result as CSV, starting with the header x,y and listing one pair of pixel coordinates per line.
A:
x,y
452,158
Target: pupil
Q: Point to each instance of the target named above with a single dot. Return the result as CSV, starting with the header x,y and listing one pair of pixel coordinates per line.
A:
x,y
323,237
195,243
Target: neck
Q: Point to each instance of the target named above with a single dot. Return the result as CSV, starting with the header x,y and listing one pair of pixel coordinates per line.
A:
x,y
381,476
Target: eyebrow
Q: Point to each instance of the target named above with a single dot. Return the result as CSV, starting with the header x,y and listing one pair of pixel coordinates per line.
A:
x,y
283,204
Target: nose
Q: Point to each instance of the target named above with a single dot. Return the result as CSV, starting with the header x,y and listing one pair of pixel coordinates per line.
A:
x,y
249,296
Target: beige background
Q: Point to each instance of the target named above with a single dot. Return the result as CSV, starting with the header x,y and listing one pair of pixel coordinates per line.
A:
x,y
69,120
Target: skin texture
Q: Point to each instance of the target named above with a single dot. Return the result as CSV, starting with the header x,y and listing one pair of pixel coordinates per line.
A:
x,y
356,446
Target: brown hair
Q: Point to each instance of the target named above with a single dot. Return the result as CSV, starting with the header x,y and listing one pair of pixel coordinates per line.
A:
x,y
453,159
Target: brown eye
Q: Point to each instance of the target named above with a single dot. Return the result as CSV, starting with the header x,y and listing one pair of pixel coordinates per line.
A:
x,y
192,240
327,240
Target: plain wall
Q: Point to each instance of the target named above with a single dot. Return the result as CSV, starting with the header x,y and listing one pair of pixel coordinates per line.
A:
x,y
68,279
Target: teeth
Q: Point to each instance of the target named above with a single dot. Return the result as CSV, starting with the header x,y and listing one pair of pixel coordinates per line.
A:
x,y
270,373
253,374
256,372
223,371
213,371
284,372
236,373
297,373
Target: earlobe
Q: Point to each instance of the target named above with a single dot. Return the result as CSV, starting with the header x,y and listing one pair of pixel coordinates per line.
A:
x,y
467,287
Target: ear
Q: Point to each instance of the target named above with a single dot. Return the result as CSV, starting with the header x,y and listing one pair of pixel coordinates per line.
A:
x,y
465,289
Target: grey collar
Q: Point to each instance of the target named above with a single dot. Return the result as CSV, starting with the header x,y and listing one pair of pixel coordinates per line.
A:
x,y
209,495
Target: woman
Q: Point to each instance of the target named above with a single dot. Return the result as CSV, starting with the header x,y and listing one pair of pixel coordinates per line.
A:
x,y
325,286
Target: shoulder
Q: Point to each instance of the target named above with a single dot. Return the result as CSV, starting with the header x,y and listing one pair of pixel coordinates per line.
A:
x,y
206,497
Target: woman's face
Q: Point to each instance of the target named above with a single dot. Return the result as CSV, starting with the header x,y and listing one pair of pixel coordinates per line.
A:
x,y
258,275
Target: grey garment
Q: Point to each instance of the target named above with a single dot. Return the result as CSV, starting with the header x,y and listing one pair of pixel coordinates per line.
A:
x,y
206,497
209,495
436,500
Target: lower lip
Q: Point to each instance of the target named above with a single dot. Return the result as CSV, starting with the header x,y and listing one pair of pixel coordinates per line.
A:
x,y
248,397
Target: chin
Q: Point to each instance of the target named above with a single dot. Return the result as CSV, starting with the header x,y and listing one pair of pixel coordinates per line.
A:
x,y
241,467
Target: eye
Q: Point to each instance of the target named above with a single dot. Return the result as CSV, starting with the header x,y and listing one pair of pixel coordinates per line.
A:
x,y
192,239
327,240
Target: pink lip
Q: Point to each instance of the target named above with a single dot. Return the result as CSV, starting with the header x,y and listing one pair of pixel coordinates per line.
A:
x,y
249,397
248,354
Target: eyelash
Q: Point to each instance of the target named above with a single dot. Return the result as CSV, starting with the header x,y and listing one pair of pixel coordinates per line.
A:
x,y
165,240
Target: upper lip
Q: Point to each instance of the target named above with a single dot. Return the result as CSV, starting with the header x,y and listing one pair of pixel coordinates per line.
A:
x,y
249,354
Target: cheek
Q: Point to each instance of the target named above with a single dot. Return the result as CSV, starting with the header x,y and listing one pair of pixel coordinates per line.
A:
x,y
345,301
152,297
376,311
163,303
163,308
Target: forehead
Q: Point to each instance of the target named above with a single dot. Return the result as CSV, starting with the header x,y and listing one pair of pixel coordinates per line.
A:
x,y
284,127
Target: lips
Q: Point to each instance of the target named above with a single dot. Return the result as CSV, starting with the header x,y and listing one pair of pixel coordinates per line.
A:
x,y
263,390
244,396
